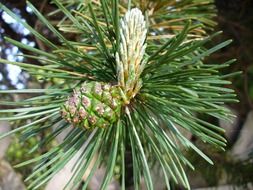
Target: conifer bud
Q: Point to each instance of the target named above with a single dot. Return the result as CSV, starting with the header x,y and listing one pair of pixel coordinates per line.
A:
x,y
129,59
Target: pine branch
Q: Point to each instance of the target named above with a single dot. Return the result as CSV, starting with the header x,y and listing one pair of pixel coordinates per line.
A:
x,y
120,85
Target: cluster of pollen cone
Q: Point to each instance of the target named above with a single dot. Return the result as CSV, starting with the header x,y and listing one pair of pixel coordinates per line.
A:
x,y
98,104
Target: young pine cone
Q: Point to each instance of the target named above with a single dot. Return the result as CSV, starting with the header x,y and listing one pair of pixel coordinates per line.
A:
x,y
94,104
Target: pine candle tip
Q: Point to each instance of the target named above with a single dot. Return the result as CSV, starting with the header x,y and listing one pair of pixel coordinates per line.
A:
x,y
129,58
